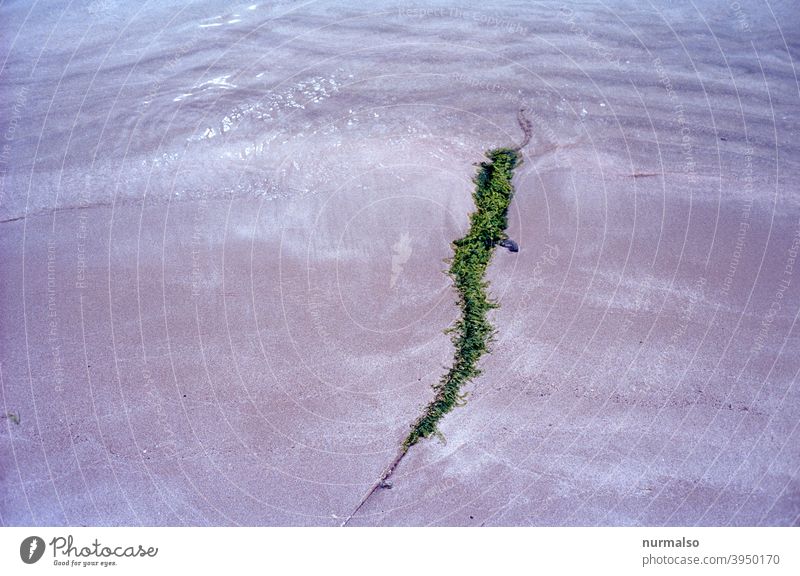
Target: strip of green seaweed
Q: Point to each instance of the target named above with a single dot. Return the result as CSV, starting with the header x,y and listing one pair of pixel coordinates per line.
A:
x,y
472,332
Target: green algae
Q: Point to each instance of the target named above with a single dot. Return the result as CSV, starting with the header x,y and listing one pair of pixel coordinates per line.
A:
x,y
472,332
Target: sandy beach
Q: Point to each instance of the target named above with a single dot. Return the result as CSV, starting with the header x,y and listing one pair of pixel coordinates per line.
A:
x,y
224,234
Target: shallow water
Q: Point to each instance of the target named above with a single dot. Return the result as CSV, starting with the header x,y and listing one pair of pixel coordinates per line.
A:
x,y
111,101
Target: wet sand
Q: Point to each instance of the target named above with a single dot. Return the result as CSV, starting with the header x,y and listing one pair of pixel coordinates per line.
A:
x,y
238,326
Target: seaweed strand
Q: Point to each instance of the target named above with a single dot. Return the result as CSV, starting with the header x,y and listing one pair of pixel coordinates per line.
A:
x,y
472,332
